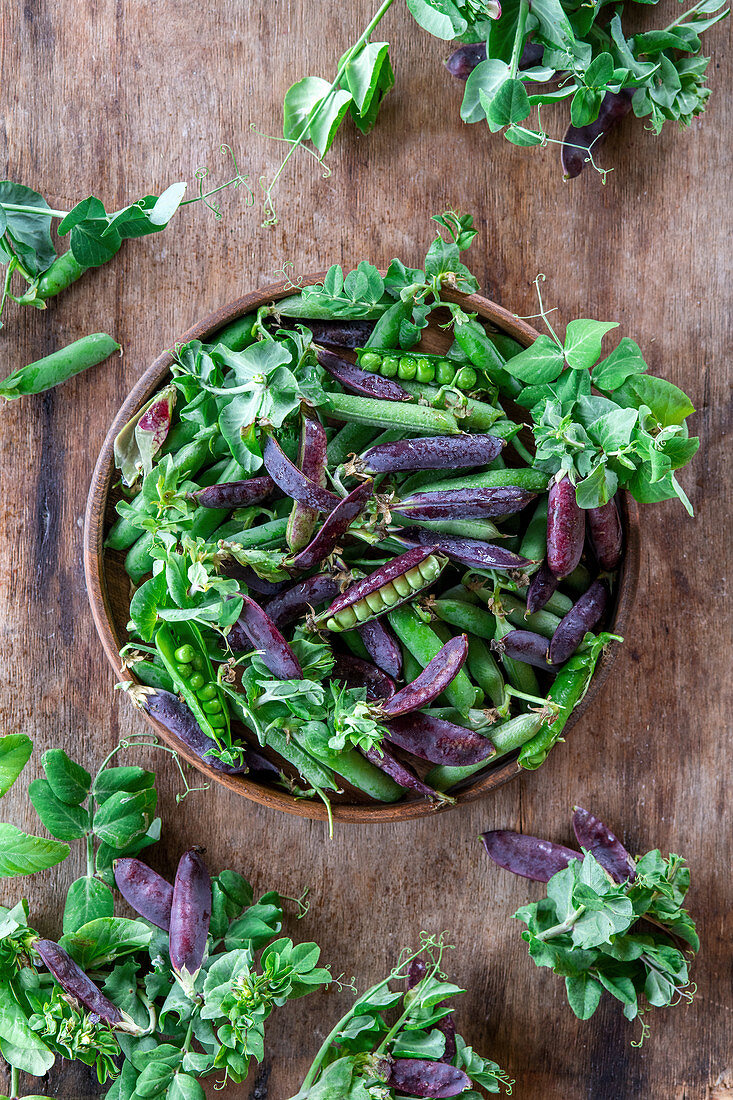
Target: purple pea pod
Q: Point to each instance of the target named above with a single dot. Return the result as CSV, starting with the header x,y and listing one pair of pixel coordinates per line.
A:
x,y
447,1025
523,645
439,452
293,481
295,602
335,525
74,981
358,673
261,632
136,444
173,714
421,1078
190,914
527,856
502,500
235,494
471,552
606,536
312,461
336,334
434,678
360,381
383,759
464,60
581,618
382,646
247,575
145,890
565,528
388,587
614,107
598,839
541,587
438,741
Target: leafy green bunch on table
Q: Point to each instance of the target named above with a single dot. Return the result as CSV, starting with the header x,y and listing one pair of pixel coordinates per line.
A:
x,y
338,577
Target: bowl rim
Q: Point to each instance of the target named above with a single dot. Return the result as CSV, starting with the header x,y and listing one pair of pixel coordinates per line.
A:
x,y
94,569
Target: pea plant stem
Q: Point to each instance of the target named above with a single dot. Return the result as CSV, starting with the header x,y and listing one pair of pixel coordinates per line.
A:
x,y
560,929
14,1082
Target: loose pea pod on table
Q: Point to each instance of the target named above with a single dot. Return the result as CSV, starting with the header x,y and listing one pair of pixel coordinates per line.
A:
x,y
59,366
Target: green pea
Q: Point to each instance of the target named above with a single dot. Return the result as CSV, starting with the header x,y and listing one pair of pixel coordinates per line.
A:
x,y
373,601
414,578
197,682
345,619
429,569
185,654
389,594
205,693
407,368
466,379
390,366
184,671
218,721
362,610
371,362
425,371
212,706
402,586
445,372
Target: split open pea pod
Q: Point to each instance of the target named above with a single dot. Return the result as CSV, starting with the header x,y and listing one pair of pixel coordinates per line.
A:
x,y
187,663
388,587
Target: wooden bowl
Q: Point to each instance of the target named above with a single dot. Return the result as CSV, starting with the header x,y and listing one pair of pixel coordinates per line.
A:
x,y
108,584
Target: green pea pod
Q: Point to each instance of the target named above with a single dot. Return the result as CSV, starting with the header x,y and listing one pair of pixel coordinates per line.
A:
x,y
351,439
386,333
424,643
533,481
389,414
520,675
153,674
540,622
484,669
472,338
169,650
64,271
506,737
534,540
58,367
466,617
350,764
237,335
478,416
569,687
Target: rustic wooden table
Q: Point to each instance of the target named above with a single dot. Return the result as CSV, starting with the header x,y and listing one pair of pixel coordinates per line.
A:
x,y
123,98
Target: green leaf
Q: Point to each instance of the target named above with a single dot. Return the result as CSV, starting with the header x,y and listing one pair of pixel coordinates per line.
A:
x,y
21,854
620,987
668,403
600,71
154,1080
584,993
93,243
585,105
68,780
19,1045
440,18
597,488
541,362
613,430
362,73
88,208
555,26
659,990
509,104
486,78
87,900
15,752
101,941
124,817
583,342
185,1087
128,778
30,234
312,98
62,821
419,1044
167,204
624,361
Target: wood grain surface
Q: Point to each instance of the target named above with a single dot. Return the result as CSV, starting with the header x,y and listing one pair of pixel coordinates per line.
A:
x,y
123,98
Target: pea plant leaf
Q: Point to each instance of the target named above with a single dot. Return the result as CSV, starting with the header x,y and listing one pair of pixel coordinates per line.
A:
x,y
69,782
15,752
441,18
26,236
87,899
21,854
313,110
64,821
104,939
583,342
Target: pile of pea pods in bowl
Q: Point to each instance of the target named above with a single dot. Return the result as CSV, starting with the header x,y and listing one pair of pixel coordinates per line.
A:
x,y
337,575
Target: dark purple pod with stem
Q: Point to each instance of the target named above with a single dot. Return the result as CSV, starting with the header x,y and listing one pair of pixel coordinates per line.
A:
x,y
383,759
360,381
438,741
334,527
527,856
524,645
235,494
606,536
582,617
502,500
447,1024
145,890
295,602
173,714
574,152
261,632
541,587
293,481
598,839
470,552
75,982
247,575
420,1077
356,672
338,334
382,646
312,461
464,60
434,679
565,528
439,452
190,914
